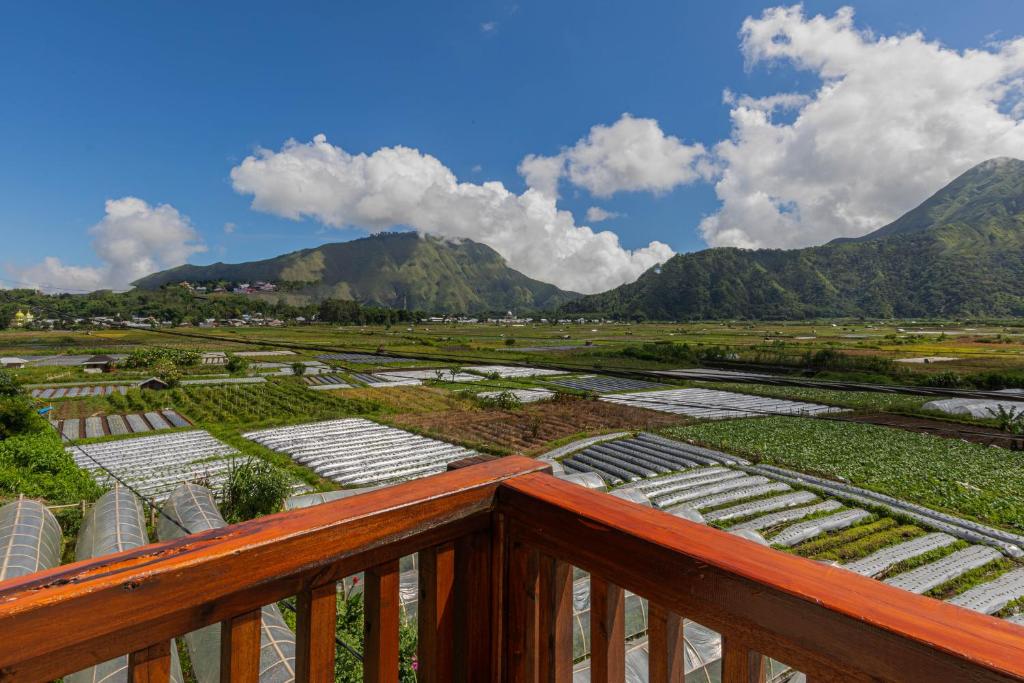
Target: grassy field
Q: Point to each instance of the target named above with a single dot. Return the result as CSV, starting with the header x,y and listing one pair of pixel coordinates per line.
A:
x,y
976,481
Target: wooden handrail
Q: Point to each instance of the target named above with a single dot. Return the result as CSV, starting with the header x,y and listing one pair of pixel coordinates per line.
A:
x,y
99,609
826,621
497,542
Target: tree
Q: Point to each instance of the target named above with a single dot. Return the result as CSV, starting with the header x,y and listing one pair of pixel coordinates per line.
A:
x,y
298,368
254,488
236,365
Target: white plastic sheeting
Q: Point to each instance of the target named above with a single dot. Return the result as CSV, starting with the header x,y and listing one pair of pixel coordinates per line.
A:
x,y
712,404
30,539
522,395
114,524
155,465
877,562
512,371
762,506
802,531
357,451
790,515
991,597
975,407
926,577
193,507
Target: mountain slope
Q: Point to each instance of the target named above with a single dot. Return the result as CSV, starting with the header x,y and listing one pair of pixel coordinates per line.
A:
x,y
398,270
960,253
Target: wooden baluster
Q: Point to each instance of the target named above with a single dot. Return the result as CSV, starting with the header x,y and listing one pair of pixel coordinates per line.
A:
x,y
555,636
240,648
665,645
473,617
151,664
607,632
436,615
380,618
740,664
316,614
522,615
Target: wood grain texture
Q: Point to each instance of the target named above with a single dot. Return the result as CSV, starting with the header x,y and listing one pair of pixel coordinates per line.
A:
x,y
150,665
436,614
240,648
522,615
554,658
380,619
665,645
124,602
825,621
607,632
740,664
316,613
474,623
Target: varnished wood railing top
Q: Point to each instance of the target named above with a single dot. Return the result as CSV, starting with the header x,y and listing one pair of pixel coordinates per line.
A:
x,y
824,620
97,609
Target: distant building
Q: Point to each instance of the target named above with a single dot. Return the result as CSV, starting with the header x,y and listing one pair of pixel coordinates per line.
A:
x,y
22,319
153,383
12,363
98,364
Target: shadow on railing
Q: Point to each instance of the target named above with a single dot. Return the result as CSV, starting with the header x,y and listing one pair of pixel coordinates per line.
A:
x,y
497,542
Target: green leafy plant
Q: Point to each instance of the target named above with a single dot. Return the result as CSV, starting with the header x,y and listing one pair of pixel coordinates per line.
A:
x,y
236,365
254,488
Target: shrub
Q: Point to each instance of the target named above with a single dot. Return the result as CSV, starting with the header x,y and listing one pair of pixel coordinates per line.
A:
x,y
8,384
254,488
17,416
149,356
166,370
298,368
236,365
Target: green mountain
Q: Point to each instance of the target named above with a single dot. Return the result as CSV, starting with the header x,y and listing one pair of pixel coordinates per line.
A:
x,y
960,253
397,270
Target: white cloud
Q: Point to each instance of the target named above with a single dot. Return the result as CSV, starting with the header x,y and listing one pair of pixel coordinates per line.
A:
x,y
631,155
400,186
596,214
133,239
229,228
488,26
894,119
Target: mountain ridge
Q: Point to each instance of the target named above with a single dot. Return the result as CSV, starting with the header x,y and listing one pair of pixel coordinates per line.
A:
x,y
396,270
959,253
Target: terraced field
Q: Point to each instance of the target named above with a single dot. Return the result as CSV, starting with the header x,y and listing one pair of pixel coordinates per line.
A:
x,y
532,427
966,479
966,563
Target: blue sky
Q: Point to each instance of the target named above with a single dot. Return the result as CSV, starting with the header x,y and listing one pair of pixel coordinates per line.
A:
x,y
161,100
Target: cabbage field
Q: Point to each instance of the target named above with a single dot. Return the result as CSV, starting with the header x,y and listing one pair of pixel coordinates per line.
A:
x,y
981,482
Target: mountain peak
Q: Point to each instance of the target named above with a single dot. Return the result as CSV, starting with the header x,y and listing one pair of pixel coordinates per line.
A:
x,y
397,270
986,194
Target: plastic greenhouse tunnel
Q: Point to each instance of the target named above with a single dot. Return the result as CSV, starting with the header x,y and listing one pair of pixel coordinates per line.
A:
x,y
192,507
30,539
115,523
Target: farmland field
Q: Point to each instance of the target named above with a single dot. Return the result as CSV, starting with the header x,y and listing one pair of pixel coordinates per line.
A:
x,y
531,428
976,481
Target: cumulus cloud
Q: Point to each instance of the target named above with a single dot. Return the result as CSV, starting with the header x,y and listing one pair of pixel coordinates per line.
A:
x,y
596,214
400,186
631,155
893,119
134,239
229,228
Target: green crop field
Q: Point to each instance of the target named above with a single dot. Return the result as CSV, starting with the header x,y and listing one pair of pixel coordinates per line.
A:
x,y
976,481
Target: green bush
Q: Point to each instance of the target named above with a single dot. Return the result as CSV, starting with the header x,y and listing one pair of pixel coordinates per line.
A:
x,y
236,365
18,416
8,384
37,466
254,488
149,356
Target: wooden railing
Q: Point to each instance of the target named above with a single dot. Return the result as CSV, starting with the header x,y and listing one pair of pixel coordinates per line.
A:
x,y
497,544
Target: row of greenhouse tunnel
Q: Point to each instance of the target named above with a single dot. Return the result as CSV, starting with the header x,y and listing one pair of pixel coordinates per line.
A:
x,y
31,541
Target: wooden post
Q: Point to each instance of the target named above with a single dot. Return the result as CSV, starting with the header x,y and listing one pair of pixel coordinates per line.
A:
x,y
150,665
436,614
380,619
607,632
472,605
316,613
522,615
740,664
665,637
555,637
240,648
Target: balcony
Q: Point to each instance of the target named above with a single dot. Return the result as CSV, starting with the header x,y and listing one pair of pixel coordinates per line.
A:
x,y
497,543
